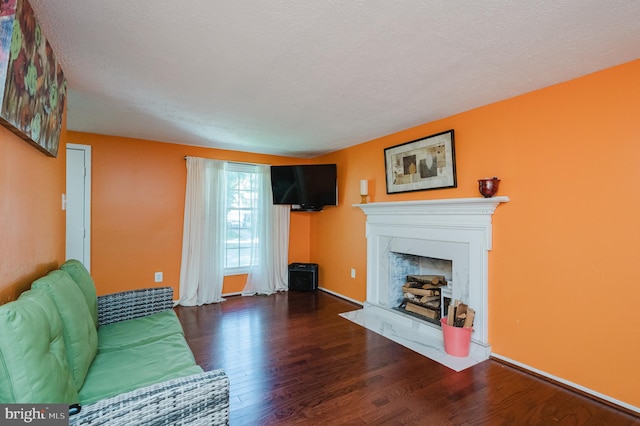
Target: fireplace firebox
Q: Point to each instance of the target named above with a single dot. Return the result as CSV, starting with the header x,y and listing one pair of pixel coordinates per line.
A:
x,y
430,296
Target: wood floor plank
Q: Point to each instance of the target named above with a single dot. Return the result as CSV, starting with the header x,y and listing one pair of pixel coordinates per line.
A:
x,y
292,360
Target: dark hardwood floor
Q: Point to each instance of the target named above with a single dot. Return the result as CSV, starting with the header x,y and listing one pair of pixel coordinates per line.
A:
x,y
292,360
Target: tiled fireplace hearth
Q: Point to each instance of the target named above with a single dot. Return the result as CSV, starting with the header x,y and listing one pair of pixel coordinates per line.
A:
x,y
455,232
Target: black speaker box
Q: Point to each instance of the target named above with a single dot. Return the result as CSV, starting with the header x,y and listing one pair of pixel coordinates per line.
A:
x,y
303,276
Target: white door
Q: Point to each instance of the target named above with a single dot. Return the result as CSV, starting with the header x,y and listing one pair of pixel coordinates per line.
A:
x,y
78,245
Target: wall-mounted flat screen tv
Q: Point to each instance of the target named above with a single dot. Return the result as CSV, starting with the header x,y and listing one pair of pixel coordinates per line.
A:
x,y
307,187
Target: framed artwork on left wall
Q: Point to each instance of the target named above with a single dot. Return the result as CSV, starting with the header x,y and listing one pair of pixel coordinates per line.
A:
x,y
32,85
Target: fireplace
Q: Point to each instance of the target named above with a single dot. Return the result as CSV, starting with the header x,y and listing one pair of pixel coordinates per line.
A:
x,y
449,237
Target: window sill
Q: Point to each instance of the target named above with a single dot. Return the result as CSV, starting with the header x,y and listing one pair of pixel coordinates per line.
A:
x,y
236,271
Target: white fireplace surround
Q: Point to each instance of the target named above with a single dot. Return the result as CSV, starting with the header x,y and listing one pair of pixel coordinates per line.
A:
x,y
459,230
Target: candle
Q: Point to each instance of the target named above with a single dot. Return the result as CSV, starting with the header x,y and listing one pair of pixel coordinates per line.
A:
x,y
364,187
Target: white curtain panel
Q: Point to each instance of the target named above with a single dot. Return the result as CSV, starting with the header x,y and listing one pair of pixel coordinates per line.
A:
x,y
270,257
202,266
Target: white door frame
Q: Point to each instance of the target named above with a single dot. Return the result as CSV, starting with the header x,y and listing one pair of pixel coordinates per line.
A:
x,y
86,206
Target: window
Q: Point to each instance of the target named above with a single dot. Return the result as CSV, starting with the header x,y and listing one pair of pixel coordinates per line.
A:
x,y
242,185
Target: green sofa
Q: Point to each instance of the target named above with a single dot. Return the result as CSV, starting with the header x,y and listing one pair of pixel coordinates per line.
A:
x,y
122,358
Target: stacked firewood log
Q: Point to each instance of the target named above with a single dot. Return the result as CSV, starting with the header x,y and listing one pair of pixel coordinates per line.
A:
x,y
422,295
460,315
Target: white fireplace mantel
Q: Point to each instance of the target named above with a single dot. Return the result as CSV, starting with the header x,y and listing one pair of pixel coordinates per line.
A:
x,y
465,206
459,230
474,212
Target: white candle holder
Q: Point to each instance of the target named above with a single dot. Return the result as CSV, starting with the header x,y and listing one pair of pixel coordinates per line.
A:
x,y
364,190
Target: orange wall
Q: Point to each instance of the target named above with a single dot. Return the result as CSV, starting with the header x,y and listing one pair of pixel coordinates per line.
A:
x,y
563,272
32,223
137,197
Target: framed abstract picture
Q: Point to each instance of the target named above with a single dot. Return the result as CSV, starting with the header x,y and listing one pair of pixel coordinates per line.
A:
x,y
32,85
427,163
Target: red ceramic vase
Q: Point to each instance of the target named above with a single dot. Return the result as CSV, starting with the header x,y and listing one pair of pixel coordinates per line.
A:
x,y
488,187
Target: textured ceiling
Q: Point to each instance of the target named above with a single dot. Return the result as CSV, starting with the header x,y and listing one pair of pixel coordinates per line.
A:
x,y
302,78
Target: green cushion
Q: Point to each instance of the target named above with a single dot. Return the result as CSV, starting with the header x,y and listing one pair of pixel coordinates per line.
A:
x,y
83,279
79,331
33,358
138,331
124,370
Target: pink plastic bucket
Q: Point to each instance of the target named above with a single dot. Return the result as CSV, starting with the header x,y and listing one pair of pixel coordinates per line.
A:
x,y
456,339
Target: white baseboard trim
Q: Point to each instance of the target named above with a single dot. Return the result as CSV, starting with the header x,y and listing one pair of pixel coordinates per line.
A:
x,y
568,383
175,302
341,296
239,293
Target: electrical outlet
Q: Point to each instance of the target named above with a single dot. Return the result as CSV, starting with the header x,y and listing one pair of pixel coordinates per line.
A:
x,y
158,277
353,272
